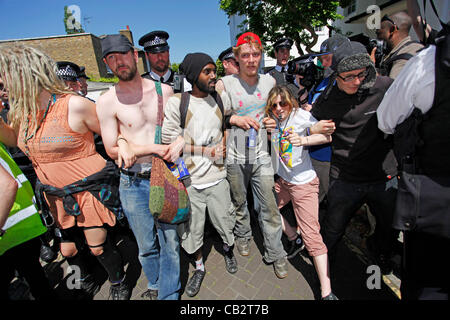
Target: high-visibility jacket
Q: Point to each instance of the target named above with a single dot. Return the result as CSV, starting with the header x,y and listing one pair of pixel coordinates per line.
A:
x,y
24,222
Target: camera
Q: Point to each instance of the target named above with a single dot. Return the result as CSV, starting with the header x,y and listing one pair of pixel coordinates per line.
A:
x,y
380,52
305,67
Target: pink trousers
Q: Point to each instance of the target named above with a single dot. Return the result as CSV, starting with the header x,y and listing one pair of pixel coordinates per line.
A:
x,y
305,201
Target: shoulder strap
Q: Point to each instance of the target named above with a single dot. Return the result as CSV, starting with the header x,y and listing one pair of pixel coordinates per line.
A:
x,y
160,116
184,105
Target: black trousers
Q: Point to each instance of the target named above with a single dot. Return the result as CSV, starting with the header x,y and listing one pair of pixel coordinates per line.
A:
x,y
425,267
25,259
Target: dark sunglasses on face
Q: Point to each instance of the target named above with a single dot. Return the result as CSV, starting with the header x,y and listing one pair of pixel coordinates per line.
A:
x,y
282,104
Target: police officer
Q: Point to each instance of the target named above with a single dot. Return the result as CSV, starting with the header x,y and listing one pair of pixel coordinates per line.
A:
x,y
279,72
68,71
82,79
157,52
229,62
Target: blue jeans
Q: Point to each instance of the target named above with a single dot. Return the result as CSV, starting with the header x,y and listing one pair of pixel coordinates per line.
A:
x,y
345,198
260,175
161,264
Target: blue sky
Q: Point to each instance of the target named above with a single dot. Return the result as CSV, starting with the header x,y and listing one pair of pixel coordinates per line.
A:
x,y
193,25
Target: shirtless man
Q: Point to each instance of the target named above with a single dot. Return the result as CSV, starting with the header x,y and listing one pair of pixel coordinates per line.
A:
x,y
127,115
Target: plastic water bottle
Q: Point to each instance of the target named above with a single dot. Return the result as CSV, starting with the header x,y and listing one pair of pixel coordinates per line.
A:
x,y
252,135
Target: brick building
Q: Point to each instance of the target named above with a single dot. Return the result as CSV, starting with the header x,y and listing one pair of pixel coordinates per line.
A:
x,y
83,49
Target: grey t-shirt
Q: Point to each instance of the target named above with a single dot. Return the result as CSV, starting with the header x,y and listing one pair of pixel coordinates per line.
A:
x,y
245,100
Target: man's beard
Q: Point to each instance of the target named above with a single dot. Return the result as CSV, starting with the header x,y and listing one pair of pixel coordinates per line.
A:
x,y
204,87
160,68
127,75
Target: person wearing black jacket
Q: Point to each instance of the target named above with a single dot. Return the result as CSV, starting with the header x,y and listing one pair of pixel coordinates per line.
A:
x,y
359,148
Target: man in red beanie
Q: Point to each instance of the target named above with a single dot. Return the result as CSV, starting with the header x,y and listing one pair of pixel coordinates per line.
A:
x,y
248,160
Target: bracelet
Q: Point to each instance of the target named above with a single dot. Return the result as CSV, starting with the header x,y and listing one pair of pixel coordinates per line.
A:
x,y
121,138
308,132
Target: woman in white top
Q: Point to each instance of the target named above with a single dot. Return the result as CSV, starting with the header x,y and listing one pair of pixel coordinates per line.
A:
x,y
298,181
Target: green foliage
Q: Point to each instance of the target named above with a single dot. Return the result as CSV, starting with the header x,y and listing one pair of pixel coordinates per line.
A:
x,y
70,24
175,67
101,79
273,19
220,71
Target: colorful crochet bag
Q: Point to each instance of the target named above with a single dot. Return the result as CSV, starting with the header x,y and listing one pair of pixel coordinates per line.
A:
x,y
168,201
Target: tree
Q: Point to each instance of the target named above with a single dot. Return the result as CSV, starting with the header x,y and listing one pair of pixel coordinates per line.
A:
x,y
220,71
274,19
70,23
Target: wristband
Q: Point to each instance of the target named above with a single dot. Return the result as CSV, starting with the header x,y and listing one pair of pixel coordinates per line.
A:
x,y
122,138
308,132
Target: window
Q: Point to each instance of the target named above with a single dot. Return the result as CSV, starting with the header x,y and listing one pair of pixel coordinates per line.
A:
x,y
351,7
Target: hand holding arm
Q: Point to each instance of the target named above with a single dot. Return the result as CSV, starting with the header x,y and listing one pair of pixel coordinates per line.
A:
x,y
324,127
315,139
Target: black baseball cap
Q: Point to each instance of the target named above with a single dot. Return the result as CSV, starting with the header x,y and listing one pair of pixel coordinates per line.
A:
x,y
330,45
115,43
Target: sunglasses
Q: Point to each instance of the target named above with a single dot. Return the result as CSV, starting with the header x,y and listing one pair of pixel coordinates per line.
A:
x,y
351,78
282,104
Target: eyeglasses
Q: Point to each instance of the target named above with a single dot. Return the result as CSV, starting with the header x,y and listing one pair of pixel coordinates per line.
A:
x,y
351,78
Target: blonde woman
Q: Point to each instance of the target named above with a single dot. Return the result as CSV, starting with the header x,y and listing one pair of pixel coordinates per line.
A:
x,y
53,127
298,181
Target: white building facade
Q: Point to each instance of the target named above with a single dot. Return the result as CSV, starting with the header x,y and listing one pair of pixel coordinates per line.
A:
x,y
360,16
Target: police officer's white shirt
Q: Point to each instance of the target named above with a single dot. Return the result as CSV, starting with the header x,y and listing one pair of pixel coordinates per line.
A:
x,y
157,77
279,68
186,85
413,87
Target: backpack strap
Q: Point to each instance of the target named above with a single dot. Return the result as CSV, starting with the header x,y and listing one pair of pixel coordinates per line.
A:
x,y
219,101
184,106
387,65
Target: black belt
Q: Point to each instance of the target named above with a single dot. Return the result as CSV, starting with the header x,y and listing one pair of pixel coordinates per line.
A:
x,y
142,175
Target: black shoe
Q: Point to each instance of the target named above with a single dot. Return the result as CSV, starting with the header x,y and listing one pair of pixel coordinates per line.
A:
x,y
331,296
230,261
150,295
119,291
294,247
194,283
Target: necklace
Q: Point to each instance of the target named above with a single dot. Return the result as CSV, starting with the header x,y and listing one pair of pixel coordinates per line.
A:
x,y
26,138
